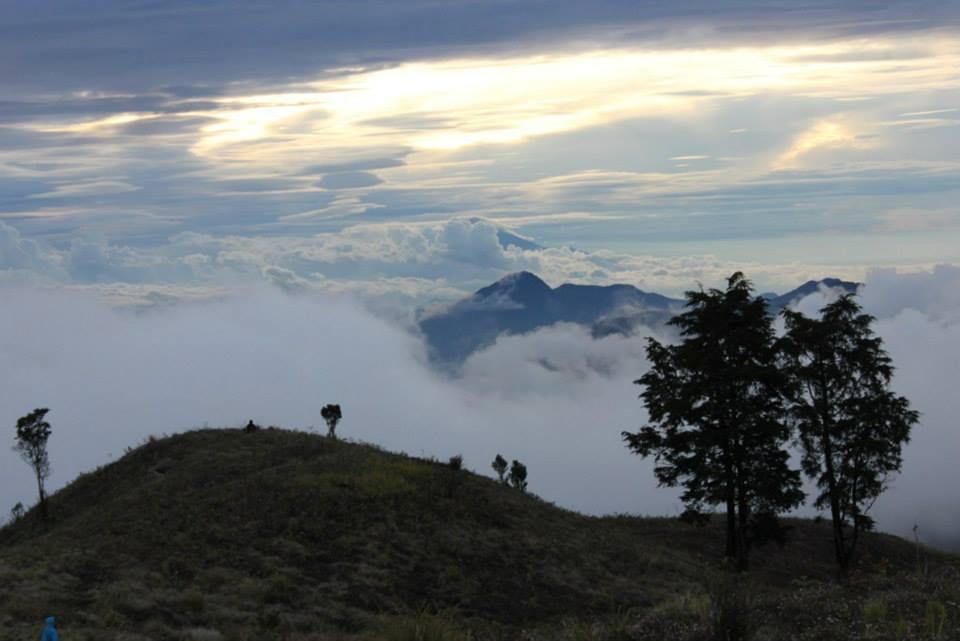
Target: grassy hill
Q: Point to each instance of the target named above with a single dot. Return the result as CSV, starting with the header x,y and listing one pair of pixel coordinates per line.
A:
x,y
221,534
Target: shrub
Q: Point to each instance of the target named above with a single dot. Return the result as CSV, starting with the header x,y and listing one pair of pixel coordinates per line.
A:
x,y
17,512
518,475
499,466
455,463
730,604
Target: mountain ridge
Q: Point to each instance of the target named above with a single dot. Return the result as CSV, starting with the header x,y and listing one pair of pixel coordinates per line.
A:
x,y
522,302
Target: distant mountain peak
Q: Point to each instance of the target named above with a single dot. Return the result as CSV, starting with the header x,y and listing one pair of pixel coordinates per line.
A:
x,y
507,237
522,302
518,286
778,302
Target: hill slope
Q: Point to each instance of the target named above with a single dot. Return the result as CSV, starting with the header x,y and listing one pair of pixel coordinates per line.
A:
x,y
285,535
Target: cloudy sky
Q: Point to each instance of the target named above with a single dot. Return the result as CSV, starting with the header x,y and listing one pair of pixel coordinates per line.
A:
x,y
370,153
177,147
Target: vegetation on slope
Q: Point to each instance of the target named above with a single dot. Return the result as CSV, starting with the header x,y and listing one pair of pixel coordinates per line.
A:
x,y
222,534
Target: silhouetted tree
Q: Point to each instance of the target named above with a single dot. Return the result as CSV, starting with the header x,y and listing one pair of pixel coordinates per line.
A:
x,y
332,415
454,467
455,463
716,406
17,512
518,475
499,466
33,431
851,426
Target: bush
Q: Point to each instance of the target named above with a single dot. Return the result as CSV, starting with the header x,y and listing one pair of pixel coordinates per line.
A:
x,y
518,475
731,601
17,512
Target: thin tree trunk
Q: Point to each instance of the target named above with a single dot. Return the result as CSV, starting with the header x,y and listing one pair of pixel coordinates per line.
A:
x,y
743,515
43,497
731,552
826,442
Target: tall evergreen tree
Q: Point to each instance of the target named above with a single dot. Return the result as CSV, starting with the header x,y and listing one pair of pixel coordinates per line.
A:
x,y
716,407
33,431
851,426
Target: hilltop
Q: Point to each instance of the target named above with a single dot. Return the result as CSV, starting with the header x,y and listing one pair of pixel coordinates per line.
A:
x,y
221,534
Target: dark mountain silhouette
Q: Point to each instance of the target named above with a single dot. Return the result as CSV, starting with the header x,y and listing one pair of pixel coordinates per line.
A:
x,y
522,302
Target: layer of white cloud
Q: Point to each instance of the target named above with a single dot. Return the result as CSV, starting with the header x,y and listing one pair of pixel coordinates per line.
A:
x,y
409,264
556,399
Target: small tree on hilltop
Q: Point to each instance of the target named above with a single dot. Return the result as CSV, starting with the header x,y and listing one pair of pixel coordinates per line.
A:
x,y
851,426
716,406
454,468
518,475
499,466
17,512
33,431
331,414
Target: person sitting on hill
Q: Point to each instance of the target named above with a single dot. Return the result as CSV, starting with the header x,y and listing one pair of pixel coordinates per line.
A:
x,y
251,427
50,631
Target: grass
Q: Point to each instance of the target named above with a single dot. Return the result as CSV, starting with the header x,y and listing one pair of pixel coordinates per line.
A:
x,y
278,535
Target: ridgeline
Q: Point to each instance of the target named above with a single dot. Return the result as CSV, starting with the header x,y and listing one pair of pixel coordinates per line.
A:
x,y
273,534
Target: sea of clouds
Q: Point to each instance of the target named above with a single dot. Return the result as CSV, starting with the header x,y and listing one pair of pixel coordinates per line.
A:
x,y
556,399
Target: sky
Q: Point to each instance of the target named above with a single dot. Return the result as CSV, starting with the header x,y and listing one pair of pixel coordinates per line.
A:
x,y
211,211
182,148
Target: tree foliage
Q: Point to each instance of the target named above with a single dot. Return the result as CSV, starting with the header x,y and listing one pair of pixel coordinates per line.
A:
x,y
454,469
331,414
17,512
851,427
716,407
518,476
33,431
499,466
455,463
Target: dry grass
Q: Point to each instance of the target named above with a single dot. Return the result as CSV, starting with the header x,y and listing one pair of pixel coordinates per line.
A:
x,y
221,535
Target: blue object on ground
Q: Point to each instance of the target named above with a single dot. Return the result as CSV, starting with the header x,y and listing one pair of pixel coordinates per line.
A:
x,y
50,632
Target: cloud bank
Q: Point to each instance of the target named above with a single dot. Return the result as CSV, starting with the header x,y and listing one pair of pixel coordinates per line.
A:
x,y
556,399
400,264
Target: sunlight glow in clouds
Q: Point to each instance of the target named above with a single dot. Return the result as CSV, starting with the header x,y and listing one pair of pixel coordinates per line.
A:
x,y
452,104
642,146
821,134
